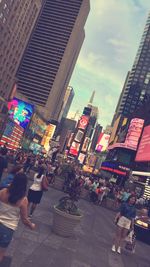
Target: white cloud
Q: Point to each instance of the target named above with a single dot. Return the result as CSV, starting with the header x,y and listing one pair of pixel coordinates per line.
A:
x,y
113,33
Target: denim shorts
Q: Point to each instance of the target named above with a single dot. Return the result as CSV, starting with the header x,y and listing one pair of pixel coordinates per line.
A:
x,y
5,236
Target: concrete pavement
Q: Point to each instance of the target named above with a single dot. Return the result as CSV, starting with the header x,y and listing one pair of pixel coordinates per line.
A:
x,y
89,247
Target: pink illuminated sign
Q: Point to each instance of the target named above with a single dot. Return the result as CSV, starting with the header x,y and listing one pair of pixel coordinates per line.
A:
x,y
133,135
143,153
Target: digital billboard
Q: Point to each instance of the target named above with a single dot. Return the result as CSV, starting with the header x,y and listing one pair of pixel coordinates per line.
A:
x,y
134,132
132,137
48,136
79,136
74,149
20,111
83,122
103,142
143,153
85,144
81,158
12,135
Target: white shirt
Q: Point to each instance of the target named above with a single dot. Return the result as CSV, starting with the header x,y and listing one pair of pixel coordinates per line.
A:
x,y
36,186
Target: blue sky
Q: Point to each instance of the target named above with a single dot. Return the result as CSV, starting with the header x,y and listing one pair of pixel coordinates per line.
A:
x,y
113,32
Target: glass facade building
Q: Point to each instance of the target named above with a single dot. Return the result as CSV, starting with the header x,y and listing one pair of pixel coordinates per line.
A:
x,y
137,84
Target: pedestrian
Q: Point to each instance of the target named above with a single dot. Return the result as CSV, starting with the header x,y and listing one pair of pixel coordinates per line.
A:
x,y
125,195
9,178
13,204
125,222
35,192
3,161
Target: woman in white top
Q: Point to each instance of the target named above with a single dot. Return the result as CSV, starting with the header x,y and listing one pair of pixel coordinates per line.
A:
x,y
13,204
35,192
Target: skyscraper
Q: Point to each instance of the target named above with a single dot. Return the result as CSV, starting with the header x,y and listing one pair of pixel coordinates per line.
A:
x,y
137,84
17,18
51,54
69,95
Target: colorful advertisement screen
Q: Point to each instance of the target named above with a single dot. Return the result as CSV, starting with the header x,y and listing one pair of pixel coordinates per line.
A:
x,y
143,153
134,133
74,149
103,142
20,111
83,122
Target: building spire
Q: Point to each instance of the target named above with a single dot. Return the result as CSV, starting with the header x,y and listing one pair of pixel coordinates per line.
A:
x,y
92,97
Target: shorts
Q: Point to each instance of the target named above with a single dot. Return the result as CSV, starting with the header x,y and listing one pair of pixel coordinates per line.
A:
x,y
34,196
6,235
124,222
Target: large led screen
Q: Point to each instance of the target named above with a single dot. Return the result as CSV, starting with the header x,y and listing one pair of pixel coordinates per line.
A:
x,y
103,142
20,111
143,153
74,149
134,133
83,122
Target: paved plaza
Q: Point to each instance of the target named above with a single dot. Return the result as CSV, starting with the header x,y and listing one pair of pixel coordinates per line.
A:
x,y
89,247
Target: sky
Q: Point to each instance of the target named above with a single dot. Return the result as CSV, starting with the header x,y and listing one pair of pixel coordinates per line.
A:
x,y
113,32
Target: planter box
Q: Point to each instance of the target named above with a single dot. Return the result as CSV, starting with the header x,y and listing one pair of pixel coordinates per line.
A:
x,y
58,183
64,223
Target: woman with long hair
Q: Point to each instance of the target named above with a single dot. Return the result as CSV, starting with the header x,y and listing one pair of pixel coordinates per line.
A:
x,y
9,178
13,205
124,221
35,192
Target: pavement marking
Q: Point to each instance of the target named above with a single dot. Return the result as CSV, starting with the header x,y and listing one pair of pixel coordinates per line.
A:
x,y
115,260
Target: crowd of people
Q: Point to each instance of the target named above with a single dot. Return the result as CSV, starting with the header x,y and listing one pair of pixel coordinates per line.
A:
x,y
16,202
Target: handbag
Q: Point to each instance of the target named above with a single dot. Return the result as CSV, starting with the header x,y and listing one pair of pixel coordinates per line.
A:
x,y
130,242
45,184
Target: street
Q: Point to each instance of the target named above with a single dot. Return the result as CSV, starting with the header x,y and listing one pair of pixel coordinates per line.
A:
x,y
89,247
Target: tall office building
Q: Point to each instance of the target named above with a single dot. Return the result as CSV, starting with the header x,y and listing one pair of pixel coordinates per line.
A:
x,y
51,54
98,130
17,18
69,95
137,84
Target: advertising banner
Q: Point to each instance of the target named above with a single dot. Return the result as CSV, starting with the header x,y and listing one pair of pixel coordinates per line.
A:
x,y
103,142
20,112
74,149
37,125
132,137
114,130
83,122
143,153
12,135
134,133
85,144
81,158
79,136
48,136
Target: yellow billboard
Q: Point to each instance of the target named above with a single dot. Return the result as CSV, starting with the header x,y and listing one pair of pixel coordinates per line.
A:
x,y
48,136
114,130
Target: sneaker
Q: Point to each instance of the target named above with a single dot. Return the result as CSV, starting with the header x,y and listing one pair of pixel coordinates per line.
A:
x,y
30,216
119,250
113,248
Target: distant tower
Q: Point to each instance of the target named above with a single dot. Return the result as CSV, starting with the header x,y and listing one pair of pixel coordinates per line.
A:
x,y
92,97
